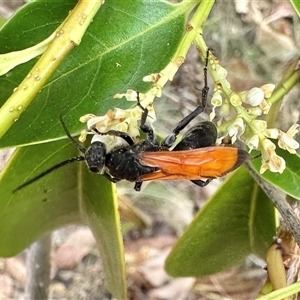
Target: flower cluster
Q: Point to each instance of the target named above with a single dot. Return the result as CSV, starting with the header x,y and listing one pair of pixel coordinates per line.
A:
x,y
117,119
239,113
127,120
240,122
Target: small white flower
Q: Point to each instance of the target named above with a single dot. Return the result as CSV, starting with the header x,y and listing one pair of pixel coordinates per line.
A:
x,y
286,140
267,149
253,142
268,89
124,120
293,130
270,160
219,140
272,133
130,95
83,135
86,117
276,164
221,72
225,110
236,100
151,78
259,126
238,126
216,101
265,106
100,122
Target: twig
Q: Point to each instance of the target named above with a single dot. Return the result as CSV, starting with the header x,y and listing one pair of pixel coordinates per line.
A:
x,y
279,201
38,269
67,36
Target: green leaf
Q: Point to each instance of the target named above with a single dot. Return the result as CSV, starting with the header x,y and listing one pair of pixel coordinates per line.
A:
x,y
122,45
2,21
238,220
70,194
100,208
41,207
296,6
289,180
283,293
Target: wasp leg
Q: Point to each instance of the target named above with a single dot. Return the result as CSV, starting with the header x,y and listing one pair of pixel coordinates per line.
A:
x,y
170,139
144,127
110,178
201,183
126,137
138,185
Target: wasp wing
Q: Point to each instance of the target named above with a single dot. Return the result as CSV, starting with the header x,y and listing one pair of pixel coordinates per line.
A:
x,y
195,164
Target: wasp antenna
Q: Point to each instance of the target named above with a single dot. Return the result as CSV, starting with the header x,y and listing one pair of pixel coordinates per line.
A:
x,y
63,163
80,147
138,100
140,105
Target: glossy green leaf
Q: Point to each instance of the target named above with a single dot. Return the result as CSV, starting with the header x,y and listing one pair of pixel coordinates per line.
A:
x,y
289,180
238,220
100,208
41,207
122,45
70,194
296,5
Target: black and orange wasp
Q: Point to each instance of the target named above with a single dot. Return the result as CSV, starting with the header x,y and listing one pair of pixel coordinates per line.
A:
x,y
194,158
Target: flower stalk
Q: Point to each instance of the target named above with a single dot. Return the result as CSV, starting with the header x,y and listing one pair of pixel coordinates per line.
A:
x,y
242,114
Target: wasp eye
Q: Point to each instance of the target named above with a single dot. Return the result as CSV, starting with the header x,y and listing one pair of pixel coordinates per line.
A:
x,y
95,157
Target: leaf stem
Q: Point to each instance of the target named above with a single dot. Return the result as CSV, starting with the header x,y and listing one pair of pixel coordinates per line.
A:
x,y
193,29
68,35
280,91
12,59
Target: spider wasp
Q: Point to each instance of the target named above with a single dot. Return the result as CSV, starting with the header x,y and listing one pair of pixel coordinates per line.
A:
x,y
194,158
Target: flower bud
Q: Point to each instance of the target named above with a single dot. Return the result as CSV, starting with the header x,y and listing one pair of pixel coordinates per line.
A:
x,y
254,97
254,111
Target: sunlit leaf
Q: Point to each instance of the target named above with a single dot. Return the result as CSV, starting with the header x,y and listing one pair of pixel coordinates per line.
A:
x,y
296,6
122,45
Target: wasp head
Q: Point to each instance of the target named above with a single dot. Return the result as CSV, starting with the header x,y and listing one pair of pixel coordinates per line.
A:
x,y
95,157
